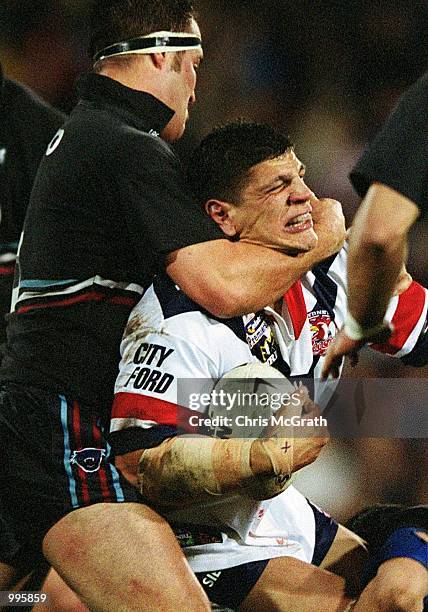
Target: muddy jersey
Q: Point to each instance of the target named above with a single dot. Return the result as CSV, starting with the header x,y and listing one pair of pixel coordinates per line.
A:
x,y
169,338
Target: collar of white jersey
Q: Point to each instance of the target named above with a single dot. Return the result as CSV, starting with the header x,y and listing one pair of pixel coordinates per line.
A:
x,y
284,323
156,42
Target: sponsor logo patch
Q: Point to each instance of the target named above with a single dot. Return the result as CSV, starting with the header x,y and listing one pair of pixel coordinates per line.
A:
x,y
260,339
323,330
193,536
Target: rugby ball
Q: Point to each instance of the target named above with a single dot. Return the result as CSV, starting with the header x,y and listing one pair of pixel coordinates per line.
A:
x,y
242,404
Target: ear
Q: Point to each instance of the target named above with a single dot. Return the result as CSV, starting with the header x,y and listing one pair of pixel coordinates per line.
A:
x,y
221,213
158,60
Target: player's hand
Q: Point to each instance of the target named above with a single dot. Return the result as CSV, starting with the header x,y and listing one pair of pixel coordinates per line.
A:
x,y
400,585
342,345
329,224
286,447
128,465
309,439
404,281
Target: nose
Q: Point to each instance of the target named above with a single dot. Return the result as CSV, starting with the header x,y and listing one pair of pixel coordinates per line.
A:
x,y
300,193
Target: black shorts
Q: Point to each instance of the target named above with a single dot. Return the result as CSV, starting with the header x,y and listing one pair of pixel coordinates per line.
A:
x,y
229,587
54,458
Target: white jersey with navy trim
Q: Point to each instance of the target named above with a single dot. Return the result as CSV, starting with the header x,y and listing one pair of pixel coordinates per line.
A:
x,y
169,337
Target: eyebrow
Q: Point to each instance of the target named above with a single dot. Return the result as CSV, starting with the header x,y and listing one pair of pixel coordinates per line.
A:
x,y
281,177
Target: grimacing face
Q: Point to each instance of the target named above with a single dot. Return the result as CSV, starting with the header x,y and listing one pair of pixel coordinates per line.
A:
x,y
275,206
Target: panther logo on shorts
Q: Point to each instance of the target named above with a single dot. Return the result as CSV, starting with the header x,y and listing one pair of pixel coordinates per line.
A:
x,y
89,459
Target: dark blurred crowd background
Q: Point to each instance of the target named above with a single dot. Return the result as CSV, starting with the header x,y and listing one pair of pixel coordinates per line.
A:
x,y
327,72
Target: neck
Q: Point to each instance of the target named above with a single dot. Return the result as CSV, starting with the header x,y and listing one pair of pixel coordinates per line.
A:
x,y
277,307
133,72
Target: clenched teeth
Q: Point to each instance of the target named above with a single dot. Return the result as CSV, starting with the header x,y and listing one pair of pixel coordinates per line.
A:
x,y
300,219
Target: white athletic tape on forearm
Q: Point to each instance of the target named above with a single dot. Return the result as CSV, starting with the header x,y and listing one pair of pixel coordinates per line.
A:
x,y
187,469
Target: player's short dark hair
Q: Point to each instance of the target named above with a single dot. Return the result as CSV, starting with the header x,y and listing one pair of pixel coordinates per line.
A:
x,y
114,21
218,167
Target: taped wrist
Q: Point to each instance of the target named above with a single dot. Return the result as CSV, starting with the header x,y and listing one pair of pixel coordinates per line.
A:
x,y
188,469
280,453
272,464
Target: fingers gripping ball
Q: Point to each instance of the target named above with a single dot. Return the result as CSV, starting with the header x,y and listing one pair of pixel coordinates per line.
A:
x,y
244,402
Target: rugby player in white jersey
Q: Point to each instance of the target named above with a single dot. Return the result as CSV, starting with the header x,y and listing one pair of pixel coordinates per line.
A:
x,y
252,185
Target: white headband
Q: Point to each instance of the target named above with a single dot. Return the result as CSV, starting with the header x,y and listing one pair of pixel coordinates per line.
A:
x,y
157,42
